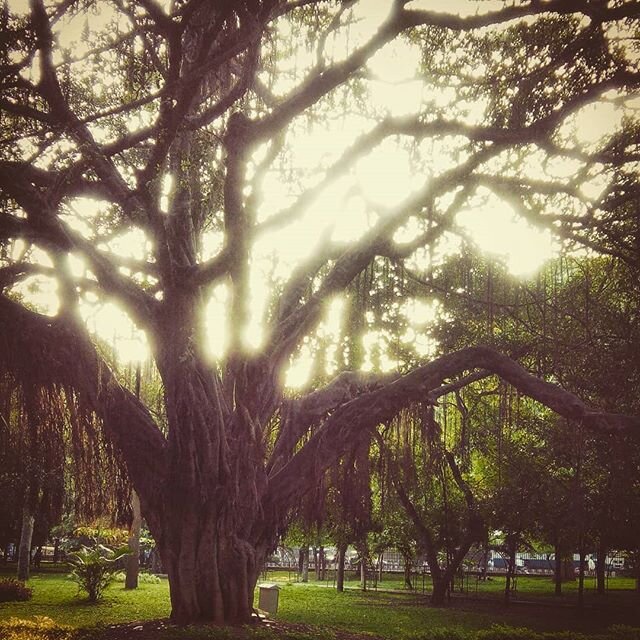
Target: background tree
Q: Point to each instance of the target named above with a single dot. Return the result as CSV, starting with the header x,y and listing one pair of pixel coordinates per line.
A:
x,y
170,127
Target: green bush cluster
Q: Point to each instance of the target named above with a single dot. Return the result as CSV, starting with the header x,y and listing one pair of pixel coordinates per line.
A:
x,y
504,632
14,590
144,577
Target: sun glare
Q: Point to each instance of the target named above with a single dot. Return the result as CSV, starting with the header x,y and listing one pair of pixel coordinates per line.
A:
x,y
343,211
498,231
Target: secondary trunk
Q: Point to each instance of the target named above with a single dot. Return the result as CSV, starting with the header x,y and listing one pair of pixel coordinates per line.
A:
x,y
342,551
581,578
133,560
601,560
24,550
363,573
321,567
304,564
557,572
408,567
511,569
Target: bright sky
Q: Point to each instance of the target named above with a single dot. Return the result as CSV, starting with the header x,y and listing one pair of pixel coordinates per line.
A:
x,y
386,176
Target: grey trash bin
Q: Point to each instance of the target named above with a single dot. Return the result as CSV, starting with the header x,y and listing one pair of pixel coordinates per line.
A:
x,y
268,597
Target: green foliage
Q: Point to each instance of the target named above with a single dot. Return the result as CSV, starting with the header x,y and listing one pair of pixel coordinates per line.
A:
x,y
94,568
14,590
143,576
40,628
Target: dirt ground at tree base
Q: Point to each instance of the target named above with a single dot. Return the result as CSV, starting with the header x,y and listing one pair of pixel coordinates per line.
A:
x,y
264,630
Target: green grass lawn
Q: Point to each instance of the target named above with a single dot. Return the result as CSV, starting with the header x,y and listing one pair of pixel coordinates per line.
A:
x,y
56,596
386,614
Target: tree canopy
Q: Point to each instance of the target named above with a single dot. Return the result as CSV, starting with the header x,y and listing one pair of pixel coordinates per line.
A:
x,y
231,171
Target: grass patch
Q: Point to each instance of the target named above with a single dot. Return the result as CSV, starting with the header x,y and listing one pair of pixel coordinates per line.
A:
x,y
56,596
317,610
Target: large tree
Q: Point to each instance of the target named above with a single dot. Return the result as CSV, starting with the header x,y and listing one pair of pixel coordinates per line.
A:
x,y
187,125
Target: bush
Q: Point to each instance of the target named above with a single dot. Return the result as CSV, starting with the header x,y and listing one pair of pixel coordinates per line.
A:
x,y
94,568
40,628
144,577
12,590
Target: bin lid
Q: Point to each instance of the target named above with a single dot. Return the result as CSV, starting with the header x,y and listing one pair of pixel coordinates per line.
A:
x,y
268,585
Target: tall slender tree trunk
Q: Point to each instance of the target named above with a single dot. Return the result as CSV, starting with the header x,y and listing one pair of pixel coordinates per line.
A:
x,y
407,565
581,578
56,550
342,552
511,569
363,573
304,564
601,561
24,549
557,571
133,560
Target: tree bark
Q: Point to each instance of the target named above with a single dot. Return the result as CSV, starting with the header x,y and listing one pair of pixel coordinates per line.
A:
x,y
581,578
133,560
407,566
511,568
557,571
24,550
342,552
601,561
440,589
322,569
304,564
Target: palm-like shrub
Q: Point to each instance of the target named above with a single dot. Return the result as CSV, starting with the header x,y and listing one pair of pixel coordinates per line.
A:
x,y
93,568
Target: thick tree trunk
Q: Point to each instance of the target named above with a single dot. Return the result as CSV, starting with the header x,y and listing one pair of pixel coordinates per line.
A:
x,y
215,529
212,572
440,583
342,552
133,560
24,550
